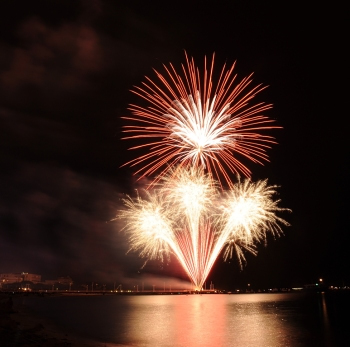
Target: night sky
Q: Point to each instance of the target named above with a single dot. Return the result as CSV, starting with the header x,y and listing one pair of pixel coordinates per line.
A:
x,y
66,68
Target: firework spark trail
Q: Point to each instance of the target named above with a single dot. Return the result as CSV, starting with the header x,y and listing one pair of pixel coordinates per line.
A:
x,y
194,129
196,224
191,121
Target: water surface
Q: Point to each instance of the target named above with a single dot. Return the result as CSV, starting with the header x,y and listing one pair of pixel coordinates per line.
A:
x,y
312,319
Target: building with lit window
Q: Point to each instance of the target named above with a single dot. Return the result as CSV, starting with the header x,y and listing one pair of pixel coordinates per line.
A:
x,y
8,278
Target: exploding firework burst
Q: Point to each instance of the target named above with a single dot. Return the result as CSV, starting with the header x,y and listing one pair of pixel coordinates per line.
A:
x,y
194,131
190,121
186,214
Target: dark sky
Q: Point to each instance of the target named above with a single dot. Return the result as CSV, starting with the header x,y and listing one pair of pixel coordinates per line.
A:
x,y
66,68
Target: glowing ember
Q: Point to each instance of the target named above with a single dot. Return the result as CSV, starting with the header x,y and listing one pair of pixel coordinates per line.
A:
x,y
194,130
191,121
187,215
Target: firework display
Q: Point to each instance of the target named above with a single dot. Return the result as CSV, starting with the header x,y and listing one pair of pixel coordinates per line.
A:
x,y
190,120
187,215
194,131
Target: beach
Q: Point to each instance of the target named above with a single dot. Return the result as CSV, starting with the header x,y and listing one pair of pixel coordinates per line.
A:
x,y
20,327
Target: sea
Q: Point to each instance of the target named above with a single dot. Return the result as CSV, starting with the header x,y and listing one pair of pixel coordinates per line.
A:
x,y
207,320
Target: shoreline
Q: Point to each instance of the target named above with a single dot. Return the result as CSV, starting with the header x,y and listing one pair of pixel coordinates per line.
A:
x,y
19,326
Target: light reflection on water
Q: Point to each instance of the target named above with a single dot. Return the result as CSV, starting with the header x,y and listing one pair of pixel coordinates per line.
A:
x,y
220,320
196,320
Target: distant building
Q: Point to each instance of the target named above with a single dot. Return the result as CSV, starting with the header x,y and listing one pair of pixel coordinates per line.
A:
x,y
60,280
50,282
8,278
31,277
65,280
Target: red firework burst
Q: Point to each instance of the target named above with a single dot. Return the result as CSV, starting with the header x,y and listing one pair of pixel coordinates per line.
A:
x,y
190,121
